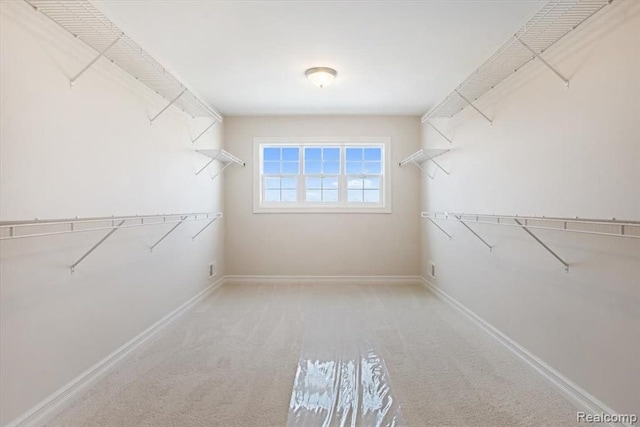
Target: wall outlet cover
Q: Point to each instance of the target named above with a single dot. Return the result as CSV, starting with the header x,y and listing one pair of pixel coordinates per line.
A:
x,y
213,269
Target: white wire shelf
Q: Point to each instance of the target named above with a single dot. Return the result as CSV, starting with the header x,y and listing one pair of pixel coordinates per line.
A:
x,y
224,157
545,28
603,227
425,155
13,230
91,26
599,227
10,230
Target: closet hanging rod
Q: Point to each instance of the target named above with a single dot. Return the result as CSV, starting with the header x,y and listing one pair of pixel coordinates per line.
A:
x,y
12,229
623,227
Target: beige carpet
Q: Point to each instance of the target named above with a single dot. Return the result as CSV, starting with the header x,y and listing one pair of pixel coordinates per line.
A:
x,y
232,362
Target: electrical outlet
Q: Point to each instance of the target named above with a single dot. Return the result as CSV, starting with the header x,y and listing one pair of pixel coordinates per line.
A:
x,y
432,270
213,269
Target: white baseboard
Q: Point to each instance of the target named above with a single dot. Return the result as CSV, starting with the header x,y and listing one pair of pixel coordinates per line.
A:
x,y
56,402
259,279
583,400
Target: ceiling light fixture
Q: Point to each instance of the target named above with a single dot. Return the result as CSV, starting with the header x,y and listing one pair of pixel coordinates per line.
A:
x,y
321,76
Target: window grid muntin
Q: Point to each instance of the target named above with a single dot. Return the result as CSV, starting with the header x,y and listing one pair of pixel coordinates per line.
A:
x,y
342,177
288,160
327,156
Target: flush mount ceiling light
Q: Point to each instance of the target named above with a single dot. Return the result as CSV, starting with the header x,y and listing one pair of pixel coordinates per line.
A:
x,y
321,76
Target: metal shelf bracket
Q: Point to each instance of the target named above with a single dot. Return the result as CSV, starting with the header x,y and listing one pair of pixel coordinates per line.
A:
x,y
208,163
204,228
556,256
438,165
101,241
204,131
439,228
439,132
182,218
538,56
221,170
474,107
168,105
459,218
100,55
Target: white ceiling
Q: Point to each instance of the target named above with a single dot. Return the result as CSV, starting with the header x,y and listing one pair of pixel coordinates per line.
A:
x,y
392,57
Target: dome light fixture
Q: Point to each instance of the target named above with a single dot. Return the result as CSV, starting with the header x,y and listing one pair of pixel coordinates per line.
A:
x,y
321,76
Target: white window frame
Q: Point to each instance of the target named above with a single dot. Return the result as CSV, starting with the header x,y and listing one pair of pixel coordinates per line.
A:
x,y
322,207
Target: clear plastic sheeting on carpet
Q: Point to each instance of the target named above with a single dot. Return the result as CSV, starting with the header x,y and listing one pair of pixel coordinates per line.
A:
x,y
341,379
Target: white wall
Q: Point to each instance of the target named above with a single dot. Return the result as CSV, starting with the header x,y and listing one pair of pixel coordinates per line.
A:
x,y
88,152
322,244
555,152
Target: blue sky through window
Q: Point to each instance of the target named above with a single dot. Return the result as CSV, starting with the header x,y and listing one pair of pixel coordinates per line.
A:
x,y
318,169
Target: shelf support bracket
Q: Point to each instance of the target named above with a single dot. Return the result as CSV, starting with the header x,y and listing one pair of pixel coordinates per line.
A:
x,y
101,241
168,232
439,228
438,165
536,55
556,256
422,169
220,171
439,132
474,233
205,166
204,131
100,55
169,105
204,228
474,107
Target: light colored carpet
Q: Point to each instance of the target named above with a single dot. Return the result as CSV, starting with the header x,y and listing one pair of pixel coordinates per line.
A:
x,y
232,362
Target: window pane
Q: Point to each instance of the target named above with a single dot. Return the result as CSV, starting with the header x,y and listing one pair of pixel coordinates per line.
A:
x,y
271,154
312,154
312,168
372,167
354,195
289,195
272,183
372,183
354,153
354,183
330,182
271,168
331,168
331,154
289,183
329,195
314,183
289,168
313,196
372,196
290,154
272,196
373,154
354,168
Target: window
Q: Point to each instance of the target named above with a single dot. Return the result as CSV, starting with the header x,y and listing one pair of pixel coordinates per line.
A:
x,y
321,175
280,167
